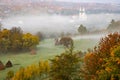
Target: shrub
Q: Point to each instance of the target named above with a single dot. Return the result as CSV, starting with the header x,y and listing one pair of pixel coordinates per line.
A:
x,y
33,72
10,74
66,66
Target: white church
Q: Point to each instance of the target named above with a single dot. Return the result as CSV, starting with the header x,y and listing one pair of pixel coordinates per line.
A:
x,y
82,16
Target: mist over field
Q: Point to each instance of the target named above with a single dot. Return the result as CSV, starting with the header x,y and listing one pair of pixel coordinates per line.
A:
x,y
59,39
58,23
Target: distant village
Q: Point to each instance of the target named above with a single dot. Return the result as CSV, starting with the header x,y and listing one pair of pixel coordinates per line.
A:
x,y
14,7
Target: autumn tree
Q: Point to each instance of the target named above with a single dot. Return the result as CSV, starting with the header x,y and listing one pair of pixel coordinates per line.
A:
x,y
66,66
29,41
5,40
66,41
92,63
5,33
15,40
103,62
107,43
111,70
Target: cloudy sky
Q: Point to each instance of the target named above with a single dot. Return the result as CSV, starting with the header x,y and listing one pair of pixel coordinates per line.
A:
x,y
98,1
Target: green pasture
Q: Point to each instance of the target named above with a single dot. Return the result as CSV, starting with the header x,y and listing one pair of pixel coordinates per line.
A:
x,y
45,50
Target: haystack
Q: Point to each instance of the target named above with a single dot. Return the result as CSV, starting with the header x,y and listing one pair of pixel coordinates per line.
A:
x,y
2,67
8,64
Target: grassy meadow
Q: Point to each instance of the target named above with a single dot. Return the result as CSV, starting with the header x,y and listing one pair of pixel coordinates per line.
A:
x,y
45,50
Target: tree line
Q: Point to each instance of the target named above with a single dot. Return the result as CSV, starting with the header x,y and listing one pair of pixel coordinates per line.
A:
x,y
112,26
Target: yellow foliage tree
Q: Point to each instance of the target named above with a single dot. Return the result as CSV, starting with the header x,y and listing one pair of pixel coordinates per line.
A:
x,y
29,40
4,40
15,40
33,72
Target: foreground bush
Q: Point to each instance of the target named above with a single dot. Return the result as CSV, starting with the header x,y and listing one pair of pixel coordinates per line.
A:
x,y
103,63
33,72
66,66
111,66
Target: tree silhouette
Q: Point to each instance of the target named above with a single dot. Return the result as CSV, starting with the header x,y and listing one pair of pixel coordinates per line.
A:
x,y
82,29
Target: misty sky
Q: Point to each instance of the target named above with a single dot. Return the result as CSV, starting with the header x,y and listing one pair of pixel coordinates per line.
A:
x,y
88,1
98,1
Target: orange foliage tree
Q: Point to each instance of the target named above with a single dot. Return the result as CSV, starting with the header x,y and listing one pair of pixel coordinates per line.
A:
x,y
107,43
98,62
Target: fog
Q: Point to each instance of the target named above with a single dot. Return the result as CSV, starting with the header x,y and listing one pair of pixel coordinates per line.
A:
x,y
95,36
43,23
58,23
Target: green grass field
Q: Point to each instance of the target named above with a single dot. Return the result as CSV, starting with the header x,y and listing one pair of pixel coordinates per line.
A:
x,y
45,51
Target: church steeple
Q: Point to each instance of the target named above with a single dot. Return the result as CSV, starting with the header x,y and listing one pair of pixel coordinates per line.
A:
x,y
82,14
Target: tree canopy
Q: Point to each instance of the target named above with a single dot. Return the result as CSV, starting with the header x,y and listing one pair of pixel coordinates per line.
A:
x,y
15,40
114,25
82,29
